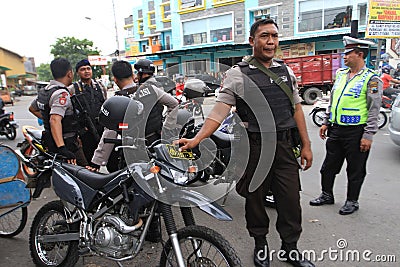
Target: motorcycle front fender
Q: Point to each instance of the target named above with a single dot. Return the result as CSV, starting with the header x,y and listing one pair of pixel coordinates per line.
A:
x,y
193,198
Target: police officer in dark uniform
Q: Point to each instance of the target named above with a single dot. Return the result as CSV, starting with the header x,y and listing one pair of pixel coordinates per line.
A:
x,y
153,97
60,125
88,96
260,101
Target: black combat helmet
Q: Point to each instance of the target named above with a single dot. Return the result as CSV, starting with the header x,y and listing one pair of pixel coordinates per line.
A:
x,y
145,66
113,111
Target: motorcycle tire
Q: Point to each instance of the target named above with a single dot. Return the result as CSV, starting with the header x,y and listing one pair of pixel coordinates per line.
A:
x,y
11,132
52,253
29,152
318,117
14,222
197,110
214,249
382,119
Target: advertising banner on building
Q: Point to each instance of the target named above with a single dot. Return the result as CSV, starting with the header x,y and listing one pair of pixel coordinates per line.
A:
x,y
383,19
98,60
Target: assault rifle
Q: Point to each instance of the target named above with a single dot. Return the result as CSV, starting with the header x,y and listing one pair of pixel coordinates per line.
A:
x,y
83,115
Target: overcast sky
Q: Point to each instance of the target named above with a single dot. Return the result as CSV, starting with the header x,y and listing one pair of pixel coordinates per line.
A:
x,y
29,27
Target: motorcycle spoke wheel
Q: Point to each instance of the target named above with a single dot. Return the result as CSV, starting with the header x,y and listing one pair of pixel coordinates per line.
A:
x,y
318,117
11,133
13,223
200,246
52,253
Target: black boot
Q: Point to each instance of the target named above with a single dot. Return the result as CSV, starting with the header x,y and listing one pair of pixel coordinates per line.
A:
x,y
293,256
324,198
349,207
261,252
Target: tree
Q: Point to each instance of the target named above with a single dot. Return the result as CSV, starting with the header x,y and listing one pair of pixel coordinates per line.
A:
x,y
75,50
44,73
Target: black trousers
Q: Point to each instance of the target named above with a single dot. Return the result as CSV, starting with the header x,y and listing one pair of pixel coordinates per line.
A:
x,y
89,142
344,144
283,180
71,143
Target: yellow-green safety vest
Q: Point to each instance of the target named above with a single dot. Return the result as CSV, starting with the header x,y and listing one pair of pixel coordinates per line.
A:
x,y
349,100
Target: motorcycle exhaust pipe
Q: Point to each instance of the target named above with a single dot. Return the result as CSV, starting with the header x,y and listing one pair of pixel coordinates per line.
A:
x,y
120,225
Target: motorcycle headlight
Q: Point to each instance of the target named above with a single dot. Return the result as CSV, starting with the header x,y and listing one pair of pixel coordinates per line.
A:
x,y
180,177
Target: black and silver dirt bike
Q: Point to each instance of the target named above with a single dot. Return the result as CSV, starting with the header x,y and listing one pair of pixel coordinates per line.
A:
x,y
109,214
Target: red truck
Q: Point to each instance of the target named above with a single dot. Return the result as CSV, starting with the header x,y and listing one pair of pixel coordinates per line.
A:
x,y
315,74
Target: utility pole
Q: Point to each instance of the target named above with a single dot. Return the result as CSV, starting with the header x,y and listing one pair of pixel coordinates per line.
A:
x,y
116,31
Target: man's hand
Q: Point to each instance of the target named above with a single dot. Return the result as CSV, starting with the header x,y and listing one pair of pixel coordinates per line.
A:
x,y
70,157
323,131
365,145
306,157
93,167
186,143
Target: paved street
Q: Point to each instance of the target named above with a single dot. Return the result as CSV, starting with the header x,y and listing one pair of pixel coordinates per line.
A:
x,y
372,232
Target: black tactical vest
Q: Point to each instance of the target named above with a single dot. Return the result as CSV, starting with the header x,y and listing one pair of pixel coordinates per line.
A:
x,y
69,122
152,108
279,102
93,98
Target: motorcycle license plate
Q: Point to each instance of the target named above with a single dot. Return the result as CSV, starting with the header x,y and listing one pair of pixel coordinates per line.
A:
x,y
175,153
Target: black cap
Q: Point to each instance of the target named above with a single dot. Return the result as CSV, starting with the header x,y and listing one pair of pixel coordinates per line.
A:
x,y
83,62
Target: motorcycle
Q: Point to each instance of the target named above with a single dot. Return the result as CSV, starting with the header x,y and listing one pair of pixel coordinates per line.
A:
x,y
318,113
109,215
14,196
8,126
32,153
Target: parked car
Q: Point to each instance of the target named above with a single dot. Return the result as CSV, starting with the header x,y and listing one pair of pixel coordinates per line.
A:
x,y
29,90
6,96
394,124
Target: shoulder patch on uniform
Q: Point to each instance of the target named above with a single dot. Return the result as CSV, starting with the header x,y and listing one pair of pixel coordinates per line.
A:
x,y
373,87
63,98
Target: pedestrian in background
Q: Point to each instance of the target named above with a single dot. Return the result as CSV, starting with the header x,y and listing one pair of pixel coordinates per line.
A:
x,y
91,94
388,81
283,176
350,124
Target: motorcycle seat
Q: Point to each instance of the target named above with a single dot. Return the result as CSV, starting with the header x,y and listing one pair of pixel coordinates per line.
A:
x,y
4,115
36,133
222,140
92,179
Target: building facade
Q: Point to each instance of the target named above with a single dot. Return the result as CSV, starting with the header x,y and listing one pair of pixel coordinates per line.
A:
x,y
13,69
208,36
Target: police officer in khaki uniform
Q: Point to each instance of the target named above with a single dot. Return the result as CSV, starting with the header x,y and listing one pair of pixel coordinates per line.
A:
x,y
60,126
268,114
350,124
91,95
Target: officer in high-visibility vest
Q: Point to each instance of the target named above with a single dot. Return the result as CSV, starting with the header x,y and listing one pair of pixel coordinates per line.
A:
x,y
350,124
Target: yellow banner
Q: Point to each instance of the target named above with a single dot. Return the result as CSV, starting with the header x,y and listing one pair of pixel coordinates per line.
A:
x,y
383,19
